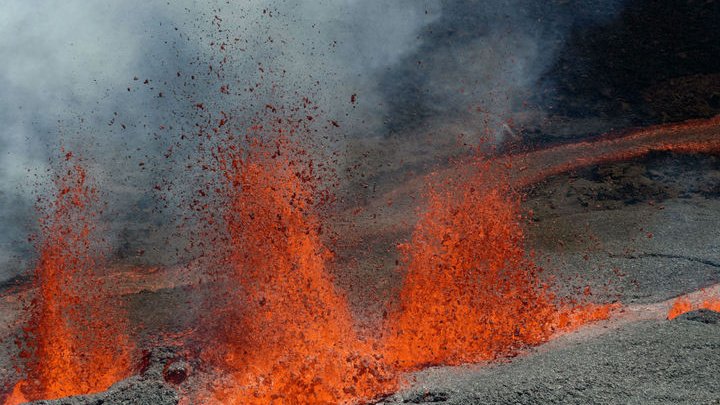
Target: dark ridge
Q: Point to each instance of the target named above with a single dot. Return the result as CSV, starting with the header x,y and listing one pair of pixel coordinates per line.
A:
x,y
701,315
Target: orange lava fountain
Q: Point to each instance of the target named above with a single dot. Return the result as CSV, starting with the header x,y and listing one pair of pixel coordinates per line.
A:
x,y
470,293
290,338
75,339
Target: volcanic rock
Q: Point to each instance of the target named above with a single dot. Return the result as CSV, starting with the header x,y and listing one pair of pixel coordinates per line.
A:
x,y
701,315
176,372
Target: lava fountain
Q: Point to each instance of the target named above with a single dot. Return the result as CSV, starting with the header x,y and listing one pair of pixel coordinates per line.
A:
x,y
75,341
470,292
288,336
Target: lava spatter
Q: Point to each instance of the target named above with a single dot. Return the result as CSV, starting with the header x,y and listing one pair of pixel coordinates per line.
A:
x,y
77,341
290,337
470,292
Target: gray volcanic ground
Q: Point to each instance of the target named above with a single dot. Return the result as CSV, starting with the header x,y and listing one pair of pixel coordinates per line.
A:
x,y
646,362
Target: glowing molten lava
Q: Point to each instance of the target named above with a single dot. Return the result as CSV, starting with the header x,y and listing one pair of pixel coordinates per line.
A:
x,y
469,292
682,305
287,334
290,337
75,341
679,307
712,304
693,136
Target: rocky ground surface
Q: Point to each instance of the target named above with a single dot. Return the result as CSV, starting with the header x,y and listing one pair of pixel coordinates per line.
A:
x,y
641,231
646,362
156,384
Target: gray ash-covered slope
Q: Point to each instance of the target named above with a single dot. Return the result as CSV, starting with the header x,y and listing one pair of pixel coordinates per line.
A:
x,y
641,232
651,362
657,61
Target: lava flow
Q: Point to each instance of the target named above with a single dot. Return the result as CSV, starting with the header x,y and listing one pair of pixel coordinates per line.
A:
x,y
75,342
683,305
694,136
525,169
288,336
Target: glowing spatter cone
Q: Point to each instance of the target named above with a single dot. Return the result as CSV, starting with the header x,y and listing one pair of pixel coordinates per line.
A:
x,y
76,341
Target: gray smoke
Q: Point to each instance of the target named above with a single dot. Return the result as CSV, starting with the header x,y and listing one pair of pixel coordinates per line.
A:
x,y
74,73
481,63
